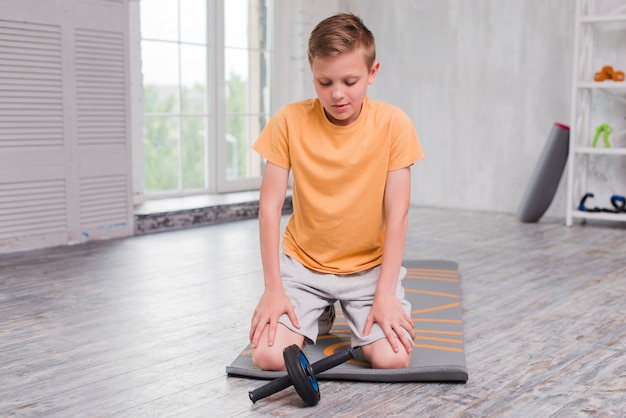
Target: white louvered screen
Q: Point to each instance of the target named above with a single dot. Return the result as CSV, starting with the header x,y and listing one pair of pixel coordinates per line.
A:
x,y
65,159
100,87
33,192
102,202
32,208
31,82
102,122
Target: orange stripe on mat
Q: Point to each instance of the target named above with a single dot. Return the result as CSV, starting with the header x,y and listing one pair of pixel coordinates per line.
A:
x,y
444,340
427,292
434,331
432,274
450,321
436,308
438,347
422,272
431,278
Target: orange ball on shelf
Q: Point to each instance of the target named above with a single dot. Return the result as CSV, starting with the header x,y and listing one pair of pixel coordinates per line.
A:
x,y
618,76
600,76
608,70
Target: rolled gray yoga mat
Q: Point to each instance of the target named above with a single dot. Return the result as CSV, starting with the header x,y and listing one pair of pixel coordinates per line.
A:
x,y
545,180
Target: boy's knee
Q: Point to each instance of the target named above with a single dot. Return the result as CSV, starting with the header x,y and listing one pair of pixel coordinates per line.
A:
x,y
381,356
391,361
268,359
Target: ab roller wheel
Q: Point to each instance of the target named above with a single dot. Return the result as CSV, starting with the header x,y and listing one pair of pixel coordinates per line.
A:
x,y
301,374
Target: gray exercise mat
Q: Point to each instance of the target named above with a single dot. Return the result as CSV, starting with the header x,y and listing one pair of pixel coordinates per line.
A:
x,y
433,288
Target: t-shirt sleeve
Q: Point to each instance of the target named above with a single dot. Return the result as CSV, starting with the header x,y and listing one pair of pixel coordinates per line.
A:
x,y
273,143
405,146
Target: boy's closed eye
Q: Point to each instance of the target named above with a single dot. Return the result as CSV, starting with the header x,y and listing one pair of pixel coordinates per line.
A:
x,y
329,83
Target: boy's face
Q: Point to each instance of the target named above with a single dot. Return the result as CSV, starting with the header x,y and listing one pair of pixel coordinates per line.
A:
x,y
341,84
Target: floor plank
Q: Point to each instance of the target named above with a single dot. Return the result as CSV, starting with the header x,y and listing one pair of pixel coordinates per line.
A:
x,y
145,326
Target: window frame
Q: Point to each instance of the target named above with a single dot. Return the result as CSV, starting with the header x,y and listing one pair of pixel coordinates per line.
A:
x,y
217,180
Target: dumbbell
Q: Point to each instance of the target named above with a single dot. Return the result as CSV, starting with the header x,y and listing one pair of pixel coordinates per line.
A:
x,y
301,374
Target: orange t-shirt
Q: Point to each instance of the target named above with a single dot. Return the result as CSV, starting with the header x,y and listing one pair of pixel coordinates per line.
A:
x,y
339,176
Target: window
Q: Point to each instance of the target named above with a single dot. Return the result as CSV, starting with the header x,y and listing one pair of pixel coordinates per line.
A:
x,y
206,77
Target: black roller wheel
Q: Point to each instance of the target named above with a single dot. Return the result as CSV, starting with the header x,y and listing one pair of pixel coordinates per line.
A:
x,y
301,373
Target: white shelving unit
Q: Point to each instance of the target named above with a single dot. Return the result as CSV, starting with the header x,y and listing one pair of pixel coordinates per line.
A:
x,y
600,40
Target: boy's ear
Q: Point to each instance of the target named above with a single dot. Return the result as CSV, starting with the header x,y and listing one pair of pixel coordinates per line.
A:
x,y
373,72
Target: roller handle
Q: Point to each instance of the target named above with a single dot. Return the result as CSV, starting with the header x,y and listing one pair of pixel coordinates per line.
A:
x,y
284,382
329,362
270,388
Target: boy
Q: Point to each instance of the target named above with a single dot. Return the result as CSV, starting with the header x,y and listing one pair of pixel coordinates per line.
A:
x,y
350,158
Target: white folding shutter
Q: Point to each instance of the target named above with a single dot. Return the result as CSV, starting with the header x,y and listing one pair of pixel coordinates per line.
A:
x,y
64,137
103,119
33,187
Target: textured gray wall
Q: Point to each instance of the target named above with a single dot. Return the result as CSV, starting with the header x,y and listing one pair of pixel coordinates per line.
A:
x,y
483,81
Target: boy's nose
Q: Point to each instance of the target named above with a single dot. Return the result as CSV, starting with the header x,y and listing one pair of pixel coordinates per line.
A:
x,y
337,93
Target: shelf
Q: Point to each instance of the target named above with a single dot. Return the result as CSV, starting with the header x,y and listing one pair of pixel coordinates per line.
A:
x,y
603,18
608,85
600,150
601,216
598,39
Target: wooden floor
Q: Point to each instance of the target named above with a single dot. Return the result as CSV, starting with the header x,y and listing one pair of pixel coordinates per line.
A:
x,y
145,326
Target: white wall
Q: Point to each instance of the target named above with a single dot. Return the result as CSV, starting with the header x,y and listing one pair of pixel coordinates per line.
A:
x,y
483,81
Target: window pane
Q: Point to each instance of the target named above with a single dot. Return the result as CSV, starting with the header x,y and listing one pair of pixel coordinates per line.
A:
x,y
236,73
236,146
161,150
247,81
160,76
259,76
159,19
194,75
255,161
194,133
193,17
236,23
180,140
241,132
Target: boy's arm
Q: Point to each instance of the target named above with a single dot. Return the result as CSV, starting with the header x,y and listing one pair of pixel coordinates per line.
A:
x,y
274,302
387,310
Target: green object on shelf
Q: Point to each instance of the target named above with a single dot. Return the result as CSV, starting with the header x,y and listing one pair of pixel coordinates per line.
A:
x,y
603,129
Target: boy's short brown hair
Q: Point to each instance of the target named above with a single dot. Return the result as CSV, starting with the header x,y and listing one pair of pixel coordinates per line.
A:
x,y
343,32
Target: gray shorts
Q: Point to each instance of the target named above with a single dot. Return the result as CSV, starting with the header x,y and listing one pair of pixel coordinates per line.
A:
x,y
311,291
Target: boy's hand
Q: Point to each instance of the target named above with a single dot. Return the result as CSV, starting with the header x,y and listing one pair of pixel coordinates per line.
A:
x,y
269,309
387,312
